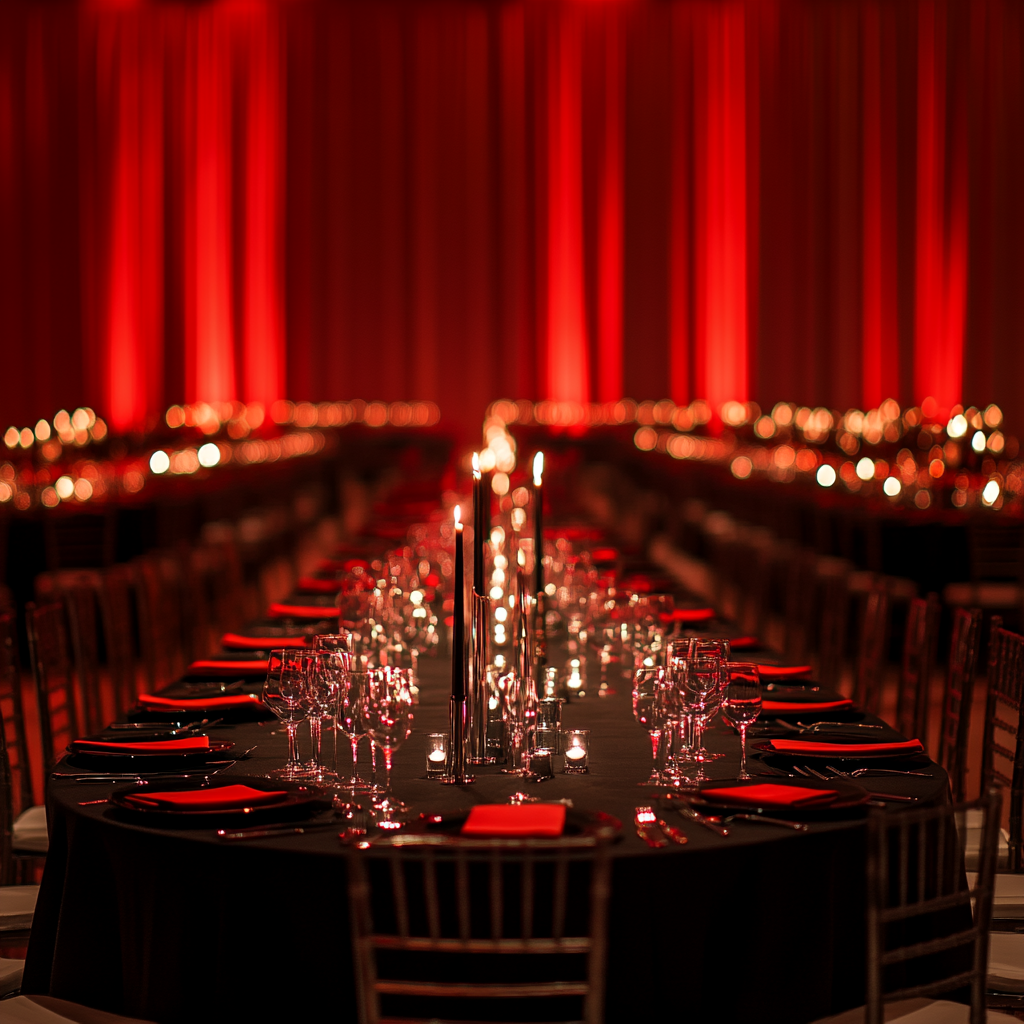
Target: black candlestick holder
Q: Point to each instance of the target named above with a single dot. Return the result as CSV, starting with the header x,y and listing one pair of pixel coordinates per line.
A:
x,y
455,767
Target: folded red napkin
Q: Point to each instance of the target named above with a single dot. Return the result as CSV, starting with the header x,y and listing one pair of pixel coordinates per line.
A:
x,y
254,665
744,643
301,611
187,745
688,615
515,820
234,642
147,700
783,671
311,585
604,554
220,798
771,793
788,705
809,747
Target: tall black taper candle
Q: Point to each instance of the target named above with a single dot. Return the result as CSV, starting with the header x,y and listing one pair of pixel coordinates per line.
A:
x,y
459,613
538,523
480,530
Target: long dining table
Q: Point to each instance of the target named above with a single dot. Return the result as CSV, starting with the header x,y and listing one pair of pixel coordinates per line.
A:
x,y
174,924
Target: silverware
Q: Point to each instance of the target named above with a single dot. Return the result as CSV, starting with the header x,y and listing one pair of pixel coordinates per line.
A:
x,y
815,726
643,819
688,812
800,771
795,684
896,797
283,828
887,771
675,834
149,776
797,826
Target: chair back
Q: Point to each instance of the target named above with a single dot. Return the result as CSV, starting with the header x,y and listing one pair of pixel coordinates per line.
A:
x,y
160,627
14,736
954,734
116,596
919,644
1002,752
520,898
834,601
919,904
871,644
55,685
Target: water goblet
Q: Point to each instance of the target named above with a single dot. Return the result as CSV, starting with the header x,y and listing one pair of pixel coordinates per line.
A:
x,y
741,703
321,700
339,647
284,693
701,693
388,714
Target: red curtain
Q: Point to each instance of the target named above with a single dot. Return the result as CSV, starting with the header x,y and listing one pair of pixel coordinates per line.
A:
x,y
457,201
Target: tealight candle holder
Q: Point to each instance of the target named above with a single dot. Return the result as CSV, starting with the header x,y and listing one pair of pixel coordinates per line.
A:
x,y
576,750
437,754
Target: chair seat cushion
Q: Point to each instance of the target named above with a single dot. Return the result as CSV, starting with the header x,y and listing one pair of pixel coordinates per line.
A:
x,y
972,842
29,833
919,1011
1006,962
17,905
10,978
1007,898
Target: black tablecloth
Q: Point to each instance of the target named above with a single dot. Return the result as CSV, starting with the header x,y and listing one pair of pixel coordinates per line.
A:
x,y
176,925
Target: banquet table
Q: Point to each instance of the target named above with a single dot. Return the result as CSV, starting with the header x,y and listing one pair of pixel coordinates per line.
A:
x,y
176,925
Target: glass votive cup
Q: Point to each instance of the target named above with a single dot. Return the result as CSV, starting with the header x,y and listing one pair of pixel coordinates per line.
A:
x,y
576,750
437,754
548,726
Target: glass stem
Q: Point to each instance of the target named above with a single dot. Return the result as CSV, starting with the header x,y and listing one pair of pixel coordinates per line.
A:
x,y
655,743
314,735
743,751
387,772
355,757
292,729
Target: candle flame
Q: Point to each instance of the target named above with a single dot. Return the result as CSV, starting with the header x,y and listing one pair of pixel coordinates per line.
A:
x,y
476,466
538,468
458,517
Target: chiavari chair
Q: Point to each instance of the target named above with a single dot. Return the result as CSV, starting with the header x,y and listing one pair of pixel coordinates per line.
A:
x,y
195,569
116,598
920,906
834,602
800,603
871,645
954,734
460,898
53,677
77,589
919,644
159,607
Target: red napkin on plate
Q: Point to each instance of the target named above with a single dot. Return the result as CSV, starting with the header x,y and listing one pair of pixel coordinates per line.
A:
x,y
241,700
234,642
772,793
688,615
744,643
311,585
254,665
788,705
188,745
515,820
783,671
302,611
221,798
810,747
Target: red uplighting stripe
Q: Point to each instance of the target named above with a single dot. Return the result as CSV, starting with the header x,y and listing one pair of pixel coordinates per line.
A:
x,y
568,362
610,226
872,274
680,296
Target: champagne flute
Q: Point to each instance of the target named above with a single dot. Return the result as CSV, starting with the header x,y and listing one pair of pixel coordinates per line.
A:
x,y
284,693
741,703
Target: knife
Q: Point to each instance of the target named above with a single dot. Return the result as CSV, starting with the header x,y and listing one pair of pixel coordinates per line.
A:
x,y
688,812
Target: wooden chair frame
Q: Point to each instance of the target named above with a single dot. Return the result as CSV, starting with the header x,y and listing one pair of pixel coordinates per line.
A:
x,y
909,852
872,639
954,734
919,646
419,858
53,676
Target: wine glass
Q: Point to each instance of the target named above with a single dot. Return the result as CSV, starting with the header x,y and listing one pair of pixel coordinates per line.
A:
x,y
741,703
702,690
350,722
520,712
387,714
338,647
649,713
284,693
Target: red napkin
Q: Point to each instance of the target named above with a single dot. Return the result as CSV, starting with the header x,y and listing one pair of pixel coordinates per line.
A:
x,y
688,615
783,671
254,665
220,798
772,793
744,643
604,554
147,700
301,611
515,820
787,705
183,746
311,585
234,642
806,747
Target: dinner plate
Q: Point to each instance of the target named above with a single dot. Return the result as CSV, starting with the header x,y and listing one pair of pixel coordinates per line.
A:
x,y
298,802
152,759
849,797
808,709
835,755
577,823
193,709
